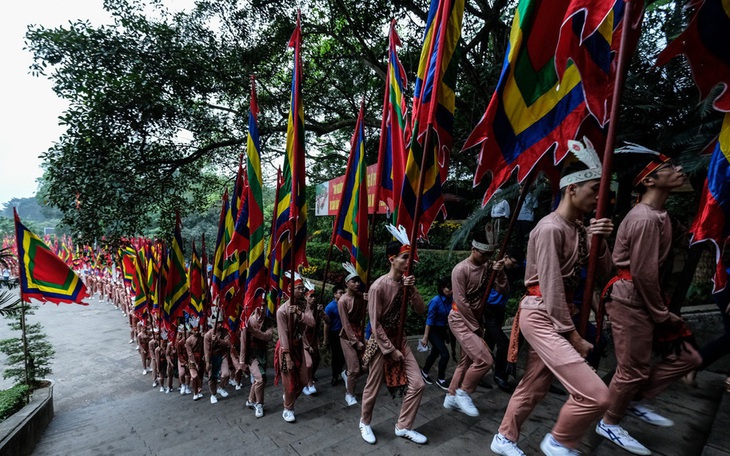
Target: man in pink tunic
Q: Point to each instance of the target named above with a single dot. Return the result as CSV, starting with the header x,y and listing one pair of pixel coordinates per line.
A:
x,y
469,281
254,344
292,319
196,365
216,347
352,308
637,308
556,252
183,371
386,360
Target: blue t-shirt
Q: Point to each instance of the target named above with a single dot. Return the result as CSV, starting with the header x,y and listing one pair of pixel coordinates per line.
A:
x,y
334,316
438,311
497,299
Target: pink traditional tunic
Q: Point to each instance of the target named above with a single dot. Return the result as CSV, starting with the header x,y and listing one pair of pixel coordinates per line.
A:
x,y
553,252
352,315
294,377
381,302
254,343
635,306
469,282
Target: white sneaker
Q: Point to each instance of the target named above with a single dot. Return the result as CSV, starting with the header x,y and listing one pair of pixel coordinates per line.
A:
x,y
307,391
503,446
154,384
187,390
144,371
182,390
238,387
350,399
367,433
213,399
197,396
162,389
450,402
620,437
167,390
250,404
466,406
131,341
551,447
288,416
222,392
136,347
259,410
344,377
312,389
644,413
411,435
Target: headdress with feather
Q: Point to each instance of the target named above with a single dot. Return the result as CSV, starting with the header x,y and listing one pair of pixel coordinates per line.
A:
x,y
351,271
652,160
588,156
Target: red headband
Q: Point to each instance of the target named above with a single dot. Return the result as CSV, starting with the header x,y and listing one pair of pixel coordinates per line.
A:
x,y
403,249
650,168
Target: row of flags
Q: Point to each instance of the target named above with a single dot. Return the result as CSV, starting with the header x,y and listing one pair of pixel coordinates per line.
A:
x,y
557,75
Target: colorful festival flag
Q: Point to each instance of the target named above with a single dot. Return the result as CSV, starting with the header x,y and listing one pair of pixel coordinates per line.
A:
x,y
711,224
351,225
177,294
433,108
256,276
196,283
705,45
590,37
294,192
43,275
393,127
533,109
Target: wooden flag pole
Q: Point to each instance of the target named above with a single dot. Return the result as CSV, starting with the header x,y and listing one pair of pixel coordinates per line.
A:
x,y
414,233
508,234
605,186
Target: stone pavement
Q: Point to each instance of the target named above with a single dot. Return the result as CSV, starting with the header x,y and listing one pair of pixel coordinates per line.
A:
x,y
105,406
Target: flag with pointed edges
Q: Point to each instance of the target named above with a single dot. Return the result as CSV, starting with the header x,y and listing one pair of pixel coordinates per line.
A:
x,y
351,224
43,275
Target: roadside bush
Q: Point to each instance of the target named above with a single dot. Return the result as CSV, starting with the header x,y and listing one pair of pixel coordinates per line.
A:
x,y
12,400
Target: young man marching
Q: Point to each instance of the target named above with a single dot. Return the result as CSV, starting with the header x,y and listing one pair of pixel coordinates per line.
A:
x,y
556,252
469,281
637,308
384,359
351,308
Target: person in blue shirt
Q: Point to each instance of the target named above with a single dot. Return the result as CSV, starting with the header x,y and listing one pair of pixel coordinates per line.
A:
x,y
332,327
436,333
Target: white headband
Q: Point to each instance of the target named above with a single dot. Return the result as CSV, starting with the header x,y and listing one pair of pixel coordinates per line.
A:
x,y
588,156
481,246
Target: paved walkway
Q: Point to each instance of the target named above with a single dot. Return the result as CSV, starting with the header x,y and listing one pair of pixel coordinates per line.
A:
x,y
105,406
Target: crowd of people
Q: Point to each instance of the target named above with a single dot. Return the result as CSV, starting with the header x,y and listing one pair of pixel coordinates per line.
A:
x,y
364,333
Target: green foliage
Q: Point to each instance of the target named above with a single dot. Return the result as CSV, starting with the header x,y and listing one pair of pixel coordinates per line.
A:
x,y
12,400
40,351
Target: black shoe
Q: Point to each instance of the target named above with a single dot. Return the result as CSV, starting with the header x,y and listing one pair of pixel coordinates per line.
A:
x,y
443,384
504,385
426,378
335,381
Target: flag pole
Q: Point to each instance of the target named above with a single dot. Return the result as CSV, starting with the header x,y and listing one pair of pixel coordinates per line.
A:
x,y
605,186
508,234
414,231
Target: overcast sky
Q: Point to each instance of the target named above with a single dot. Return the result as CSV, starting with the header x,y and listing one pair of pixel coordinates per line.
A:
x,y
30,109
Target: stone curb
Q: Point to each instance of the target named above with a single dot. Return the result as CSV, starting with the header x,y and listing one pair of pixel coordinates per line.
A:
x,y
20,432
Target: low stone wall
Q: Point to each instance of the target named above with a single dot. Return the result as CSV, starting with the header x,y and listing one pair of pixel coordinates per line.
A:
x,y
20,432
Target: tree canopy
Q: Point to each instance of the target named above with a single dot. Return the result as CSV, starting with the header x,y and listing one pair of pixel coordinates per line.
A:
x,y
158,100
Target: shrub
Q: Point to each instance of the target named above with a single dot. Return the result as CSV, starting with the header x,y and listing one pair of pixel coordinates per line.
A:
x,y
12,400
